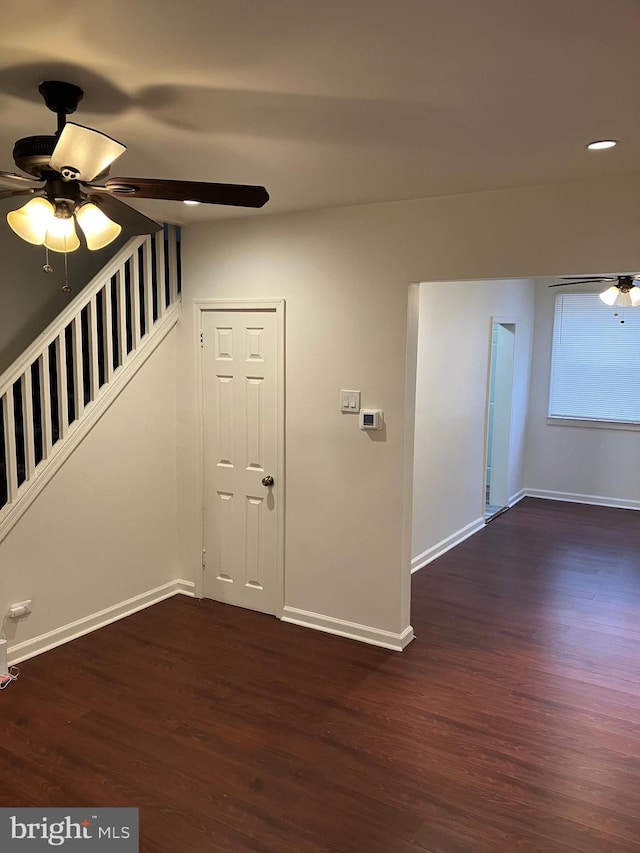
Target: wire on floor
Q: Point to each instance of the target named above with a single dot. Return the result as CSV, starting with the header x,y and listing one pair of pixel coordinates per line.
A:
x,y
12,675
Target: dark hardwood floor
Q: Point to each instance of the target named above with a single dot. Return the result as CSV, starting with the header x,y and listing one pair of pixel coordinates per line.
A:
x,y
512,723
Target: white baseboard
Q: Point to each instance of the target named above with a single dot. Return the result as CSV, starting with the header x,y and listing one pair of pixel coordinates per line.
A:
x,y
445,545
573,497
66,633
363,633
514,499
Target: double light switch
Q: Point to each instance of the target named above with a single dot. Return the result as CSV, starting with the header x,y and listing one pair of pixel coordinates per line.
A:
x,y
350,401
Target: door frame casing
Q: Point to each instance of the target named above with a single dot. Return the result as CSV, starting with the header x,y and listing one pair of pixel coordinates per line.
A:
x,y
278,307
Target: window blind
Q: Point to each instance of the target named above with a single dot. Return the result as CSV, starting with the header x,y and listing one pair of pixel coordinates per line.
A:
x,y
595,363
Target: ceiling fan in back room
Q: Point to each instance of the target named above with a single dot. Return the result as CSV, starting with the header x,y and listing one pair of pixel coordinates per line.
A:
x,y
624,292
67,185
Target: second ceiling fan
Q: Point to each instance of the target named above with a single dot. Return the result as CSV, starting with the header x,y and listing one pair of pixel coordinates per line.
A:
x,y
624,292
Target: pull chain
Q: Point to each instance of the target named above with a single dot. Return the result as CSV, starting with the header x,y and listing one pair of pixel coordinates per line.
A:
x,y
47,266
66,287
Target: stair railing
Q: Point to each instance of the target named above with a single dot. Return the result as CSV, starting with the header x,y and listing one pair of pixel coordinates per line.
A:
x,y
63,379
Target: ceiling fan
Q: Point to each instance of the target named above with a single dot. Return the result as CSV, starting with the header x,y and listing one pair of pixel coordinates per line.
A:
x,y
625,292
67,173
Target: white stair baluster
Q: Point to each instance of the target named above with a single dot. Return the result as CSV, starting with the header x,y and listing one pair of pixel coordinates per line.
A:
x,y
173,264
134,273
10,446
61,379
27,425
107,325
45,402
160,274
94,353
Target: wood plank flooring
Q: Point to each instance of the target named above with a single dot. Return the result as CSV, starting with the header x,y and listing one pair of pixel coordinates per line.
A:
x,y
512,722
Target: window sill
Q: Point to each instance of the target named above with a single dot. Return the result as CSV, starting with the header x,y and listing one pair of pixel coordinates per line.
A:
x,y
577,422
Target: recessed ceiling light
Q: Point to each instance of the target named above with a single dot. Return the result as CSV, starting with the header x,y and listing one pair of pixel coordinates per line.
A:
x,y
191,201
600,144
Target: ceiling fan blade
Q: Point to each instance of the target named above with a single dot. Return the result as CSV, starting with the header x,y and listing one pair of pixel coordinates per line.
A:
x,y
580,281
19,183
589,278
10,193
130,219
81,154
238,195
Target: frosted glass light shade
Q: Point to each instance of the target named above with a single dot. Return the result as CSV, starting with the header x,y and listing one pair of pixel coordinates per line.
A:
x,y
634,295
61,235
32,220
610,295
623,300
98,229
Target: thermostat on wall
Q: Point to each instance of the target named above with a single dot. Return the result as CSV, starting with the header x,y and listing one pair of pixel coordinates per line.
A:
x,y
371,419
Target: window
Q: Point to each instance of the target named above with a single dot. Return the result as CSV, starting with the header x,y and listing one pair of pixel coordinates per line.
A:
x,y
595,363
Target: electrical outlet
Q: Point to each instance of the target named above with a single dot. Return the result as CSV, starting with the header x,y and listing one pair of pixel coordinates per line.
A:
x,y
4,669
22,608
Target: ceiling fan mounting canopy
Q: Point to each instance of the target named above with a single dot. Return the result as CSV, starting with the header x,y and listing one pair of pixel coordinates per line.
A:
x,y
61,97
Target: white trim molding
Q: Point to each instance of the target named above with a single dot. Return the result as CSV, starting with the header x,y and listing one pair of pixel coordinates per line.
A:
x,y
573,497
352,630
514,499
66,633
440,548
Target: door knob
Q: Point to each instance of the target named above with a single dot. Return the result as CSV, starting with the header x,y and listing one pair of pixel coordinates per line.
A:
x,y
267,481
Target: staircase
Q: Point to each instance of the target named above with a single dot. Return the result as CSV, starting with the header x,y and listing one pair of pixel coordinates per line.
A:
x,y
52,395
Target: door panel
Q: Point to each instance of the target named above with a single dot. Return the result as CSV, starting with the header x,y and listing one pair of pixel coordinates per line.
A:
x,y
240,397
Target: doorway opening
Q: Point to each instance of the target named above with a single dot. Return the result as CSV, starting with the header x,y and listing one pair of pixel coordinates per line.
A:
x,y
498,430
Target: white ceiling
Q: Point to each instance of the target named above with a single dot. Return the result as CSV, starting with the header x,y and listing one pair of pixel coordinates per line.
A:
x,y
336,102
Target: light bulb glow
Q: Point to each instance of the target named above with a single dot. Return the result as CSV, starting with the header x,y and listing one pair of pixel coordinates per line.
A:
x,y
32,220
98,229
61,235
634,295
610,295
601,144
190,201
623,300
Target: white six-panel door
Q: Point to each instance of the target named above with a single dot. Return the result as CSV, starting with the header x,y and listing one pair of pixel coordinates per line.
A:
x,y
240,431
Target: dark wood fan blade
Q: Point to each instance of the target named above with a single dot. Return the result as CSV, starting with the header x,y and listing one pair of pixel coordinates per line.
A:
x,y
9,193
130,219
238,195
589,278
580,281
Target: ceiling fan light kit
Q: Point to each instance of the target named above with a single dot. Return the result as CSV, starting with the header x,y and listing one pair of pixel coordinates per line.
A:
x,y
32,220
98,229
63,169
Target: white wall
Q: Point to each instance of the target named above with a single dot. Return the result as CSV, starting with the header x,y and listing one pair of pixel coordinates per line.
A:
x,y
345,276
104,528
30,298
575,461
454,343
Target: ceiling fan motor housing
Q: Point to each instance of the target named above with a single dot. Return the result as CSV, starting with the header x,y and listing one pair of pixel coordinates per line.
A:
x,y
33,153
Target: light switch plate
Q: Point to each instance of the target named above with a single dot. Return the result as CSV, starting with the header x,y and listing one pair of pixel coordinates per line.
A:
x,y
350,402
